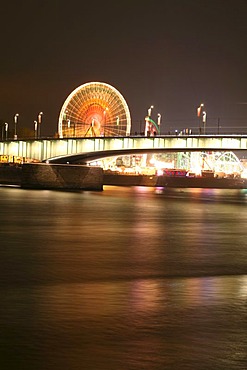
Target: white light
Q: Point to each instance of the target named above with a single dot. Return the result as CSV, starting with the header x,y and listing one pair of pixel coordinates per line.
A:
x,y
150,110
199,110
159,118
40,117
16,117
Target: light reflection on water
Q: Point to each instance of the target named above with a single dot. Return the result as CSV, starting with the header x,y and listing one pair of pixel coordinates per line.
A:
x,y
127,278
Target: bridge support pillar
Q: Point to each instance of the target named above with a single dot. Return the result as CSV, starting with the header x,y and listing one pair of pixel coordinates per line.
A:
x,y
61,176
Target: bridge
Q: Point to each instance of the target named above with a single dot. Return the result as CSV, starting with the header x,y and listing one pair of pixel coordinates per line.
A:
x,y
43,149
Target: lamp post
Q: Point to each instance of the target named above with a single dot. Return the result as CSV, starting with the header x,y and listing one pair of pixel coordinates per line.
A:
x,y
15,122
39,123
147,124
150,110
159,118
159,121
35,129
199,111
6,130
204,120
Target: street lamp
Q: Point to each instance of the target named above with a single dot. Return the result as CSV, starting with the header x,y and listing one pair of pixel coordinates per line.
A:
x,y
147,125
35,129
39,123
199,111
16,121
159,118
6,130
204,120
150,111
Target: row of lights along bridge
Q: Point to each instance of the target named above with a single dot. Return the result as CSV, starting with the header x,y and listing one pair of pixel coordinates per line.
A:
x,y
37,127
201,114
37,123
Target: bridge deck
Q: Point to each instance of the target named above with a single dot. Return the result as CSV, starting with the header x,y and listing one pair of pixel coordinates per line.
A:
x,y
50,147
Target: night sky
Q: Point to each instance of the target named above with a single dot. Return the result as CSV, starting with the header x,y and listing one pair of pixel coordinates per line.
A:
x,y
173,54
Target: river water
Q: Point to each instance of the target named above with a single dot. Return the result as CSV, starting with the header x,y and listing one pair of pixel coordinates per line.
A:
x,y
124,279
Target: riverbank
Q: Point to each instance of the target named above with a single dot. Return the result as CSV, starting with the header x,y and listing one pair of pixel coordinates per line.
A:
x,y
43,176
174,182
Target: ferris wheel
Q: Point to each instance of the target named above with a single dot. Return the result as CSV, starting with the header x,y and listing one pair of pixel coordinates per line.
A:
x,y
94,109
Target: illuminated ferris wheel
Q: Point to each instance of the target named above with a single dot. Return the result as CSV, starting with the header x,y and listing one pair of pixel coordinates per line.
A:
x,y
94,109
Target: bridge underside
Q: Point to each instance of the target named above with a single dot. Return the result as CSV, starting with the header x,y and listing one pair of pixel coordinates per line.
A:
x,y
86,158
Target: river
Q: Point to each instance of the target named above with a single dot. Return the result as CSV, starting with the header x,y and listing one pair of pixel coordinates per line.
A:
x,y
125,279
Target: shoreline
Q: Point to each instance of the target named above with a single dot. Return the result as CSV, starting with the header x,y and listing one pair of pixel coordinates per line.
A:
x,y
12,175
174,182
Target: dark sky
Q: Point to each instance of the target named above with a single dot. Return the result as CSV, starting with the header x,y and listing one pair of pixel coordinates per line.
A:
x,y
173,54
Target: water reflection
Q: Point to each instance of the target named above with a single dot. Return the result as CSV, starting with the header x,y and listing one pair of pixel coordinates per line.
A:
x,y
129,278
